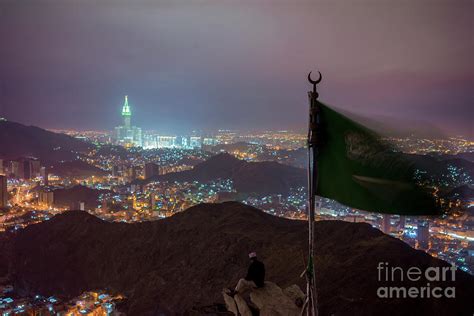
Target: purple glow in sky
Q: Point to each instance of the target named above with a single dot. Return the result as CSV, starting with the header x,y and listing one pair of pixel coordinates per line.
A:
x,y
235,64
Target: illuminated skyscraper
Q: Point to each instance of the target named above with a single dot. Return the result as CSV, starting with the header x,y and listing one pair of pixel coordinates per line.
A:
x,y
126,113
3,192
128,135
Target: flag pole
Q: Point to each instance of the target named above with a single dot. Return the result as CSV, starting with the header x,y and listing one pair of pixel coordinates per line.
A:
x,y
311,303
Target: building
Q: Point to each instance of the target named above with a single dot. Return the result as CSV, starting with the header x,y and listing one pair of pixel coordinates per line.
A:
x,y
24,168
386,225
35,167
195,142
14,169
46,198
209,141
44,175
2,171
150,170
3,192
402,222
423,235
126,134
166,141
78,206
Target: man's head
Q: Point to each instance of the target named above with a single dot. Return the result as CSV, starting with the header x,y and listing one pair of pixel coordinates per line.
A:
x,y
252,255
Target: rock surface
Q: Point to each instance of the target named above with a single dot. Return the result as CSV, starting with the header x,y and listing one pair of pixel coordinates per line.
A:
x,y
269,300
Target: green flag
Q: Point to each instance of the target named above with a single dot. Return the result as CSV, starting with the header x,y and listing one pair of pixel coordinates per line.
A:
x,y
358,169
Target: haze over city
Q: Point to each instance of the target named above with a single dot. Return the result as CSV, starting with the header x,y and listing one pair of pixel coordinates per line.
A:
x,y
236,157
209,65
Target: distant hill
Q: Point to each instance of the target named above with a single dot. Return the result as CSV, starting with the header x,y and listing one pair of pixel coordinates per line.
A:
x,y
249,177
268,177
18,140
437,166
297,157
469,156
172,266
463,192
78,193
240,146
75,168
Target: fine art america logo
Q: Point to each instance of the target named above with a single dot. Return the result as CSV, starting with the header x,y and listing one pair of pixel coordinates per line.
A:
x,y
425,282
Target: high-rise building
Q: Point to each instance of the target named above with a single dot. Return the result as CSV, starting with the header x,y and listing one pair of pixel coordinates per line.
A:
x,y
2,171
195,142
402,222
21,169
46,197
15,169
44,175
166,141
78,206
423,235
386,226
150,170
3,192
35,168
25,169
126,134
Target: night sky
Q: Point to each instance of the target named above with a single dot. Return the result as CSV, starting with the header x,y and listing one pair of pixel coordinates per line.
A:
x,y
235,64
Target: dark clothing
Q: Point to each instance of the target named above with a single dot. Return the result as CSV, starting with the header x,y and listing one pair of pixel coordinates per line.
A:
x,y
256,273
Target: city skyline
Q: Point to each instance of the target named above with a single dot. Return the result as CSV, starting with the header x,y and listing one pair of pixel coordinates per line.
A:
x,y
235,65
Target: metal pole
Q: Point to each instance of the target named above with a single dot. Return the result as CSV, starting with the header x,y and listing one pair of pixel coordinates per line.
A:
x,y
313,142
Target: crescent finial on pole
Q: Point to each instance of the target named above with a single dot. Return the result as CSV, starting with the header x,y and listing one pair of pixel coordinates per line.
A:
x,y
315,82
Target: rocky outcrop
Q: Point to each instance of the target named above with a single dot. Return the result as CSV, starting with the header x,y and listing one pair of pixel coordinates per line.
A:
x,y
269,300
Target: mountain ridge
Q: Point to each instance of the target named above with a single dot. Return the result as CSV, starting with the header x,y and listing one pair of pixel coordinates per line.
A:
x,y
176,264
261,178
18,140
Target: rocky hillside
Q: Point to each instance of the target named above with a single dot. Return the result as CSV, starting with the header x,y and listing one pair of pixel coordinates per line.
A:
x,y
182,263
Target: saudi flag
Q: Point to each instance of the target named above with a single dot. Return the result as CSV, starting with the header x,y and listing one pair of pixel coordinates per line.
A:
x,y
358,169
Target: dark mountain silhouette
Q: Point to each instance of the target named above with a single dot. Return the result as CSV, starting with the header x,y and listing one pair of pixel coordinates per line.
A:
x,y
18,140
75,168
71,196
249,177
268,177
296,157
463,192
220,166
469,156
183,262
436,166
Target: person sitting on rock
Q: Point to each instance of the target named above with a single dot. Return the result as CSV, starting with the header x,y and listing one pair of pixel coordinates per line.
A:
x,y
255,276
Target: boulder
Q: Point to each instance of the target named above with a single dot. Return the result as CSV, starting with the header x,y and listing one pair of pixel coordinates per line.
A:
x,y
296,294
270,300
230,302
236,304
